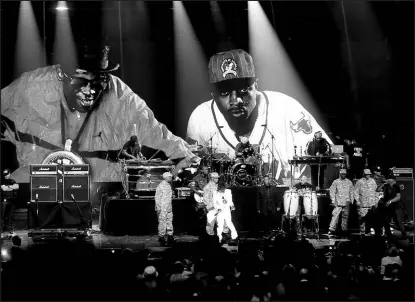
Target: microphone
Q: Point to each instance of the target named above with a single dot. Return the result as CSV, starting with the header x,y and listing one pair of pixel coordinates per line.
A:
x,y
264,125
37,205
220,127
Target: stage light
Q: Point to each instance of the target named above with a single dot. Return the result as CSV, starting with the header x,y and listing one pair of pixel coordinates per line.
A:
x,y
5,255
61,6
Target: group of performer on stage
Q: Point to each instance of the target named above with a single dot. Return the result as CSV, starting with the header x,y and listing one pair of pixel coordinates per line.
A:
x,y
89,112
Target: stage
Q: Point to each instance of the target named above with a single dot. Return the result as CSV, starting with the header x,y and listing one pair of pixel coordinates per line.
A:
x,y
149,242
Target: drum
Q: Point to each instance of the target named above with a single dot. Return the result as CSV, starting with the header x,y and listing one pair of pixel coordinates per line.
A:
x,y
291,202
310,203
243,174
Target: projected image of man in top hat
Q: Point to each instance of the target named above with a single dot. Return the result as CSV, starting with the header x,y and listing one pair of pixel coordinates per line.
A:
x,y
86,109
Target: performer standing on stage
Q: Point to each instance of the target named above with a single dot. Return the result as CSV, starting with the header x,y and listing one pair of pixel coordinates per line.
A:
x,y
222,201
318,146
197,185
208,192
164,209
267,207
378,176
389,206
366,200
132,149
341,195
9,189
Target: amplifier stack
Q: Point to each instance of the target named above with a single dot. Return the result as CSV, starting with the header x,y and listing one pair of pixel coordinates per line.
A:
x,y
59,196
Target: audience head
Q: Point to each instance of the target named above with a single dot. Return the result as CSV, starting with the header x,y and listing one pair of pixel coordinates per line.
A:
x,y
392,251
303,275
150,273
17,241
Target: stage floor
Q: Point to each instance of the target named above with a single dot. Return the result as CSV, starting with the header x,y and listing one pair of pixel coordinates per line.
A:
x,y
150,242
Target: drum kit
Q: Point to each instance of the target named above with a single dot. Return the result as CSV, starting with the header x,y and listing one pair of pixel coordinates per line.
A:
x,y
238,172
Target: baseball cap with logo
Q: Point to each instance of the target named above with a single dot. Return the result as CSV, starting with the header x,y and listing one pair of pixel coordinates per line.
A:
x,y
366,172
167,174
214,175
232,64
343,171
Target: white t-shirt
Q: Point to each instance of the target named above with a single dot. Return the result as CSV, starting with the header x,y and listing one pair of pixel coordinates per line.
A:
x,y
289,122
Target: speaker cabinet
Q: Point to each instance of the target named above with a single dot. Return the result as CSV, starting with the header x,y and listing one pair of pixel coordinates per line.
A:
x,y
78,186
407,195
45,187
48,215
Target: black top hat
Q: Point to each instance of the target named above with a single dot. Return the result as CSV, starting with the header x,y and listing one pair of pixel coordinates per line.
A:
x,y
94,57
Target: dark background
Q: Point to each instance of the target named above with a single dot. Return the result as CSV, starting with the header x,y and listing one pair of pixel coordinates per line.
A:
x,y
378,112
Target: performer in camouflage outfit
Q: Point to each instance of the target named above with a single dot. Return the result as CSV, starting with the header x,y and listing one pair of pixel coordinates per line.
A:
x,y
366,200
341,195
164,209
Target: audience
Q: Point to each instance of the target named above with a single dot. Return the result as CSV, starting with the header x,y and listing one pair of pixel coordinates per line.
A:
x,y
77,271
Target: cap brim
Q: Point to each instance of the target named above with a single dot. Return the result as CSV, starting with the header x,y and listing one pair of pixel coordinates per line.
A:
x,y
233,84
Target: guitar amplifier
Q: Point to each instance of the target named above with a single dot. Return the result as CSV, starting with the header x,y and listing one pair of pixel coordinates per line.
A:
x,y
78,185
43,169
45,187
405,173
183,192
75,169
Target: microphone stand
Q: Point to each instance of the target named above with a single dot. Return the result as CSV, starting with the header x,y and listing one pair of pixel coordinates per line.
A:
x,y
37,206
211,150
272,151
79,209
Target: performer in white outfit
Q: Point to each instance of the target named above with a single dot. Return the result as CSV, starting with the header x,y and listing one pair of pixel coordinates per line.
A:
x,y
222,201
